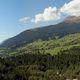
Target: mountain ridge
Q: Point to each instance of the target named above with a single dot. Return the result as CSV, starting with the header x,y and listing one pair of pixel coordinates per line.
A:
x,y
44,33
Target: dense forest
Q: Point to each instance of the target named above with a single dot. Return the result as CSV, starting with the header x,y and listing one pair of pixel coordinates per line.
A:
x,y
53,59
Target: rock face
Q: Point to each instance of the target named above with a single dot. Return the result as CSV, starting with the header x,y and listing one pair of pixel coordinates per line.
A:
x,y
73,19
69,26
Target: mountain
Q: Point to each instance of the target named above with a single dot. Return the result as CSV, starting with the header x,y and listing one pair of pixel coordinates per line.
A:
x,y
54,59
70,25
72,19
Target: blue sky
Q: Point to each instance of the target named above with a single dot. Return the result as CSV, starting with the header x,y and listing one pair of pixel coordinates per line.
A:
x,y
13,12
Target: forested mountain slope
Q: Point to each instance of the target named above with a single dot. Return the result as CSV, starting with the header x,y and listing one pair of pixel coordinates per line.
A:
x,y
48,53
68,26
51,46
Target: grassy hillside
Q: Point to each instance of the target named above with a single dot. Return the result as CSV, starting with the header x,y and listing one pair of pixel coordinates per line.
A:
x,y
51,46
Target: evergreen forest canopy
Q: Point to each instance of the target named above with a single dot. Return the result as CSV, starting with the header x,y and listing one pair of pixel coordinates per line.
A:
x,y
53,59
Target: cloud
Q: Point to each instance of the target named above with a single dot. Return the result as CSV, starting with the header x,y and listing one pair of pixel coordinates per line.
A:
x,y
72,8
24,20
47,15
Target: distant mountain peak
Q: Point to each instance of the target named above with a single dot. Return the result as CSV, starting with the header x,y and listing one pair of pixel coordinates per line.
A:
x,y
72,19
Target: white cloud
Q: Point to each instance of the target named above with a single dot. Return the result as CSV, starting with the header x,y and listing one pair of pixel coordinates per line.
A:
x,y
52,13
24,20
72,8
48,15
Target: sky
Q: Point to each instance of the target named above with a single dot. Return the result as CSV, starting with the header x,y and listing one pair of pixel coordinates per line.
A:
x,y
19,15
